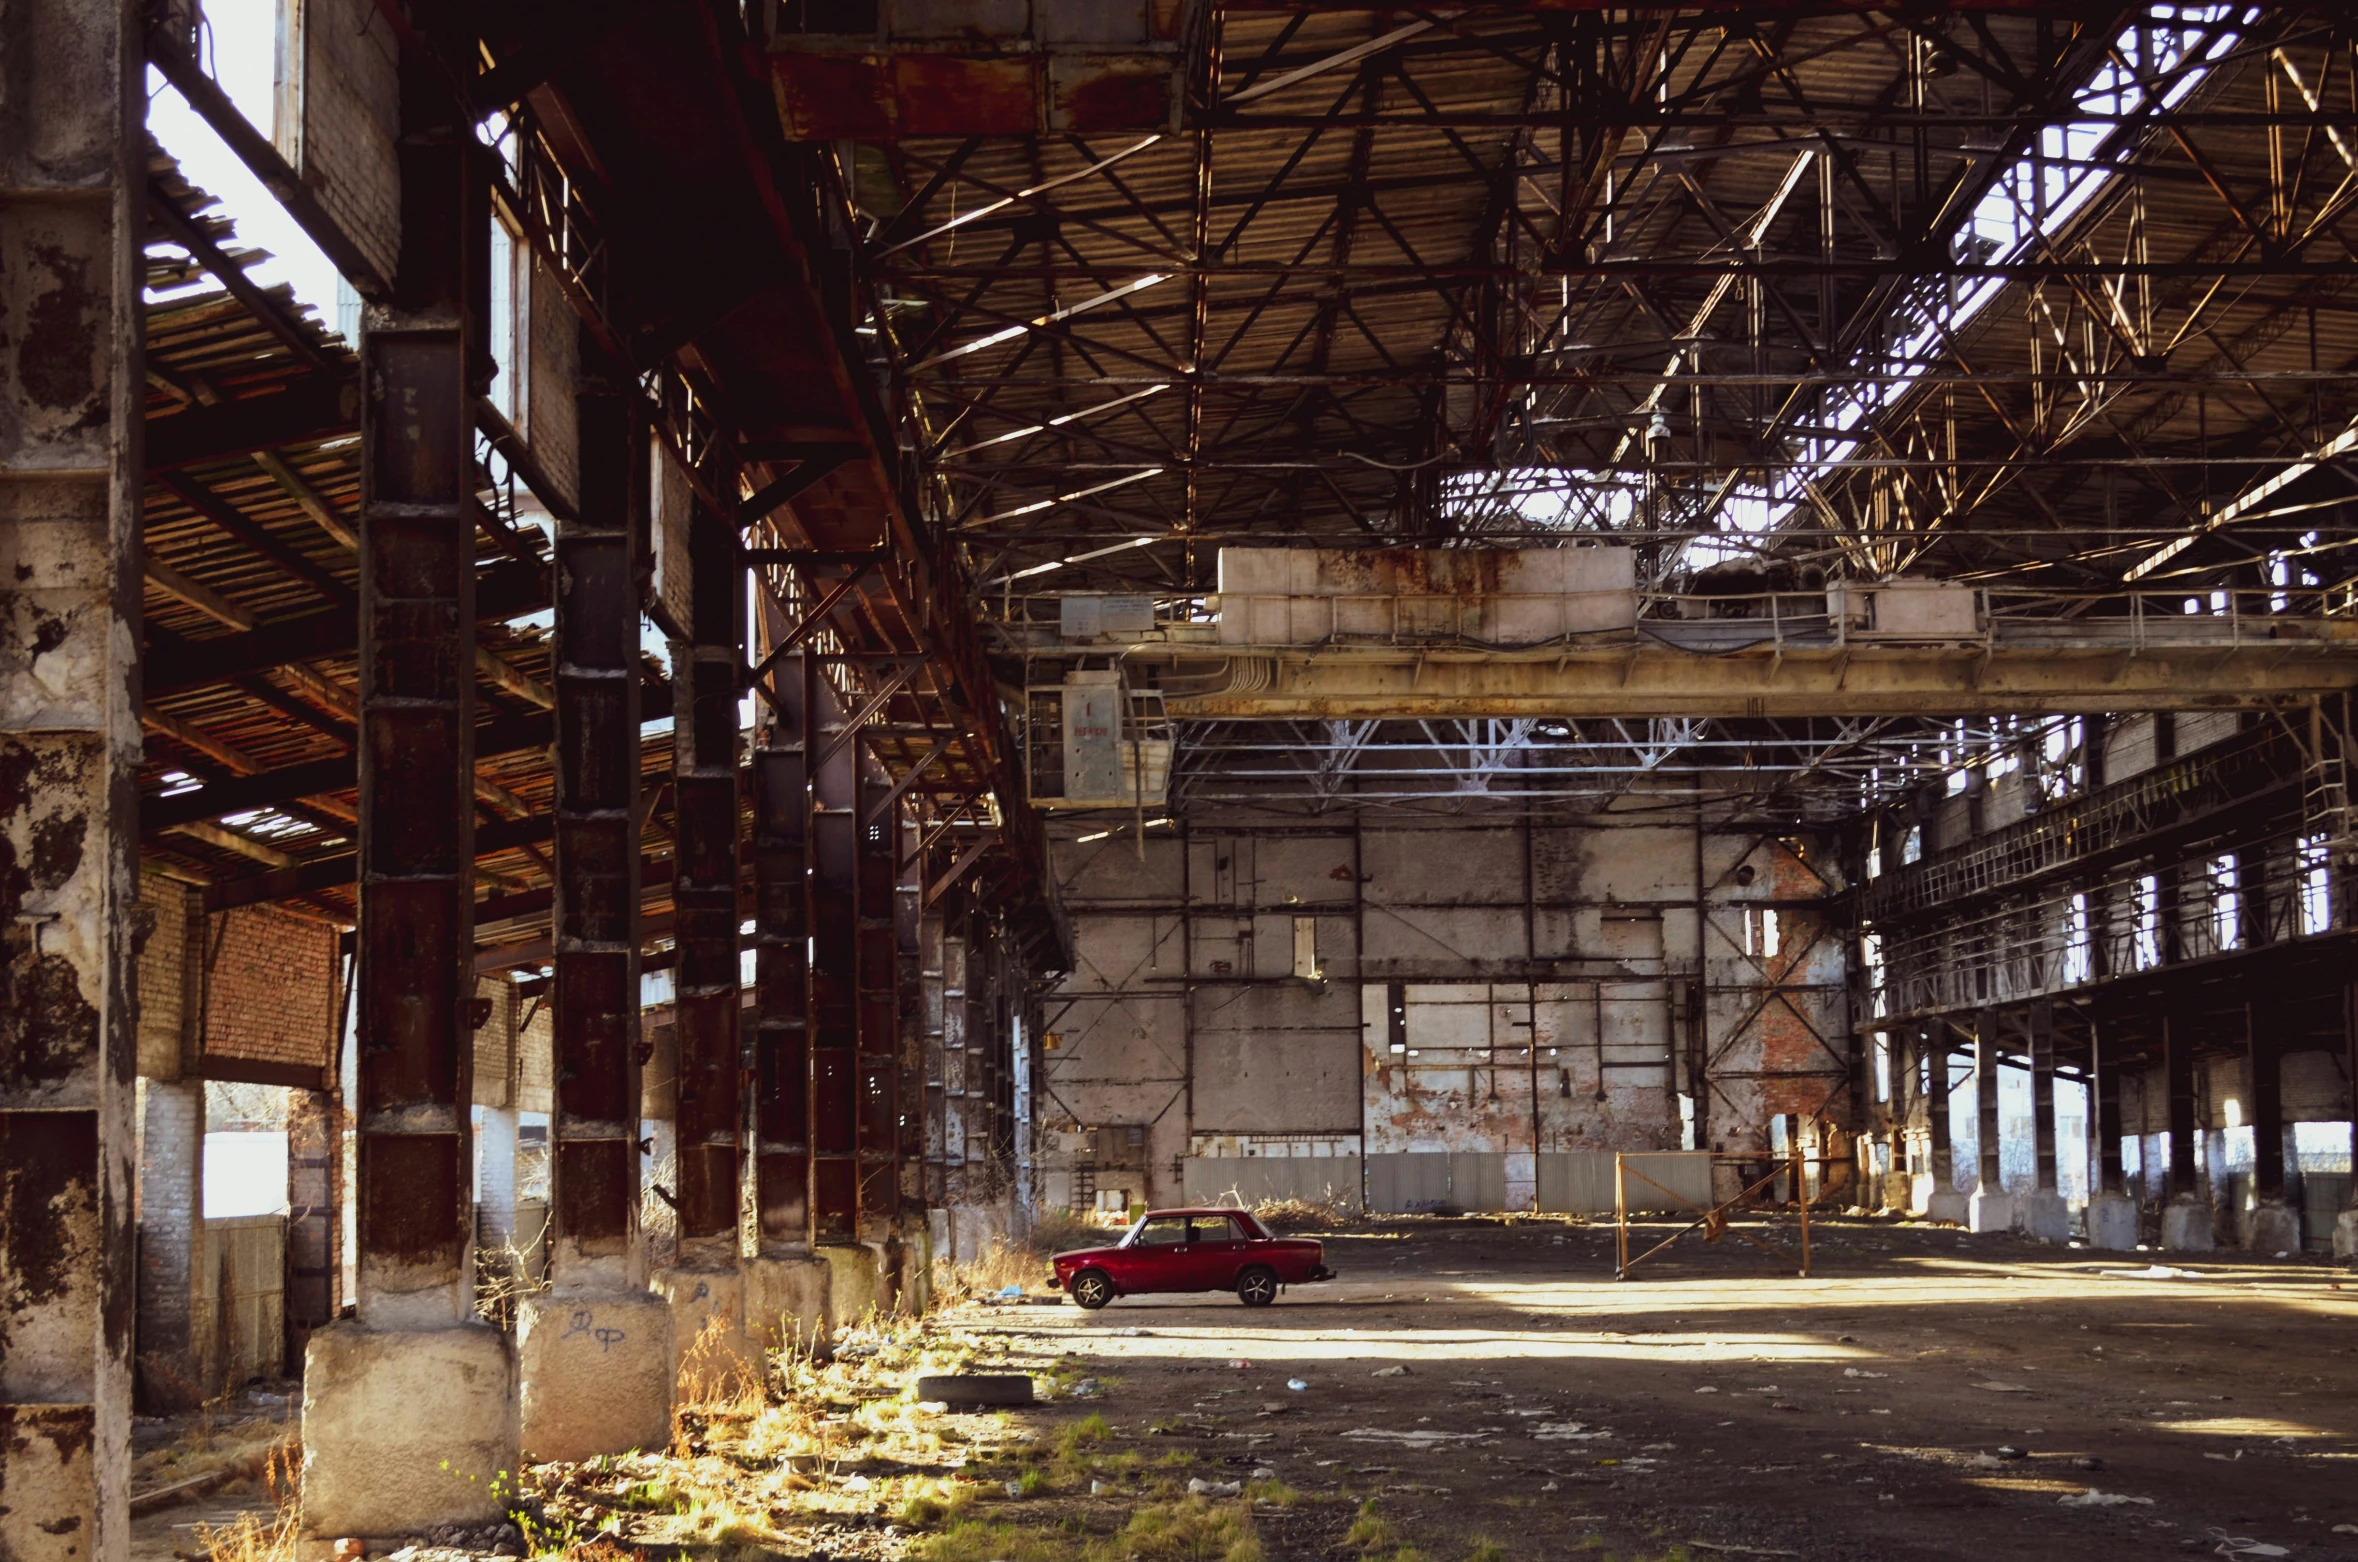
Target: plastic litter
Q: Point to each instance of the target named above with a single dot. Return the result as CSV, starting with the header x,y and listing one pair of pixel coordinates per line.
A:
x,y
1087,1388
2151,1272
1098,1488
1707,1389
1011,1290
1854,1372
2245,1546
1240,1366
1199,1487
1394,1371
1015,1488
1296,1384
858,1483
2003,1388
1264,1473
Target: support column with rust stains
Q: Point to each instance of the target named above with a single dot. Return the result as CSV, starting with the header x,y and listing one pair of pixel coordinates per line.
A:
x,y
786,1284
596,1350
876,897
834,1012
410,1408
71,405
1990,1208
707,1288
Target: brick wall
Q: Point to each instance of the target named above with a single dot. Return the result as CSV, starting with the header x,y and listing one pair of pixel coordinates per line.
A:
x,y
340,76
536,1070
270,988
172,912
556,364
495,1044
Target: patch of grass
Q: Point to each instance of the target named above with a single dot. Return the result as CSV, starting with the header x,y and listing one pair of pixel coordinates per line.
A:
x,y
1409,1554
1485,1549
1371,1531
976,1540
1083,1434
1276,1493
1032,1482
1189,1531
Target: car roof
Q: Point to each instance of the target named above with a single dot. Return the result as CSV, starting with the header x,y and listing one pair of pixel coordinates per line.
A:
x,y
1196,1209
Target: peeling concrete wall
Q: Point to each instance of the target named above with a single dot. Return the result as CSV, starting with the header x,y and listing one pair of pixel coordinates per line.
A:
x,y
1234,993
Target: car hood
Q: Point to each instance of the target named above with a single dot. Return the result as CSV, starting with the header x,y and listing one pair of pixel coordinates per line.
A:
x,y
1080,1253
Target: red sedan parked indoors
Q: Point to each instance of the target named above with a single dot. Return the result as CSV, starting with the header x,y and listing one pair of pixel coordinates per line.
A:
x,y
1192,1250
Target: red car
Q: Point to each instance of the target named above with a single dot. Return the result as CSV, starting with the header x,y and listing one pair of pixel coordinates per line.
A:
x,y
1192,1250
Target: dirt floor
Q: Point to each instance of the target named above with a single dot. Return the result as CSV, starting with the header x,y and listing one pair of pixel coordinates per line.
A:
x,y
1486,1391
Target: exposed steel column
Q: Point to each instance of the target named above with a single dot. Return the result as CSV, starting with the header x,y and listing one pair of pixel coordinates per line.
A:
x,y
1985,1090
878,975
71,406
594,1161
834,1024
781,972
420,374
2178,1071
704,891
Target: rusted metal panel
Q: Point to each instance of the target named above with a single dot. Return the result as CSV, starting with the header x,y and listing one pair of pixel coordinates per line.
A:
x,y
781,931
705,891
595,994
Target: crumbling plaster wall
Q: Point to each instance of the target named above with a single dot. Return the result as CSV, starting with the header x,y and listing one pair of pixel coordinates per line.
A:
x,y
1233,991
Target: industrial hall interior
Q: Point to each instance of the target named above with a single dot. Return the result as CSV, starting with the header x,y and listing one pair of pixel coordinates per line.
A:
x,y
1178,780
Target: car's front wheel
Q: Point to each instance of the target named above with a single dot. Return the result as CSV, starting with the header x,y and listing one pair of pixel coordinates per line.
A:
x,y
1093,1288
1256,1287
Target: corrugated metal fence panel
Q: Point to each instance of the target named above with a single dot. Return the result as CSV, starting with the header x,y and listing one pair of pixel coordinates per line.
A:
x,y
248,1255
1416,1182
1250,1179
1580,1182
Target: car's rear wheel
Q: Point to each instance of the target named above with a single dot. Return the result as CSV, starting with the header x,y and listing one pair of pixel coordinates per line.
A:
x,y
1093,1288
1257,1287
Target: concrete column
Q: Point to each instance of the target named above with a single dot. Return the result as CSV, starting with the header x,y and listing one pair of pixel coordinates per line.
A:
x,y
2112,1214
2045,1215
176,1371
2276,1222
409,1409
1942,1198
314,1246
73,162
1990,1208
2186,1218
786,1284
707,1286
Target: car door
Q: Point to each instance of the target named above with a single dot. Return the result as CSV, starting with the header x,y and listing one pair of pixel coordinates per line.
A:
x,y
1156,1257
1216,1254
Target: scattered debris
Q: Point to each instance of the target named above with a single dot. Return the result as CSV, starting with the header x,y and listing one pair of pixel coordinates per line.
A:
x,y
1854,1372
1394,1371
1199,1487
2092,1498
977,1388
2004,1388
2245,1546
1296,1384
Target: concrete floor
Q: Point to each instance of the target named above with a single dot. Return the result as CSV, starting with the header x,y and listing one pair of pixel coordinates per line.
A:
x,y
1922,1394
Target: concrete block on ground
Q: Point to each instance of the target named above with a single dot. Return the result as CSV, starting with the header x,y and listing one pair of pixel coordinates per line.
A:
x,y
855,1282
709,1345
2187,1225
917,1273
1987,1211
2275,1228
597,1374
2112,1222
2345,1234
786,1301
405,1429
1946,1204
2045,1215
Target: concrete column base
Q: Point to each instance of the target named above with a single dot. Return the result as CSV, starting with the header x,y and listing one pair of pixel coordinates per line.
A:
x,y
1947,1204
405,1429
2112,1222
1899,1191
855,1282
917,1273
1986,1212
2046,1215
787,1302
2345,1234
2275,1228
711,1354
2186,1225
598,1373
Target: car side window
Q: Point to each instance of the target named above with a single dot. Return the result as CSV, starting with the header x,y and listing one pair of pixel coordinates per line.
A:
x,y
1222,1229
1162,1233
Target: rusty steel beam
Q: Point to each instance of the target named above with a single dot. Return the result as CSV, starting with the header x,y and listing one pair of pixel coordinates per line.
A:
x,y
417,739
833,1017
71,383
780,784
705,891
594,1166
876,900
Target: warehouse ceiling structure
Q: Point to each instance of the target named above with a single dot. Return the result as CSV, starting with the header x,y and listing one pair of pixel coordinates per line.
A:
x,y
867,598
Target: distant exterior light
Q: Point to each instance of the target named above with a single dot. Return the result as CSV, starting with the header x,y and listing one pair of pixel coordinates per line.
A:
x,y
1083,840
